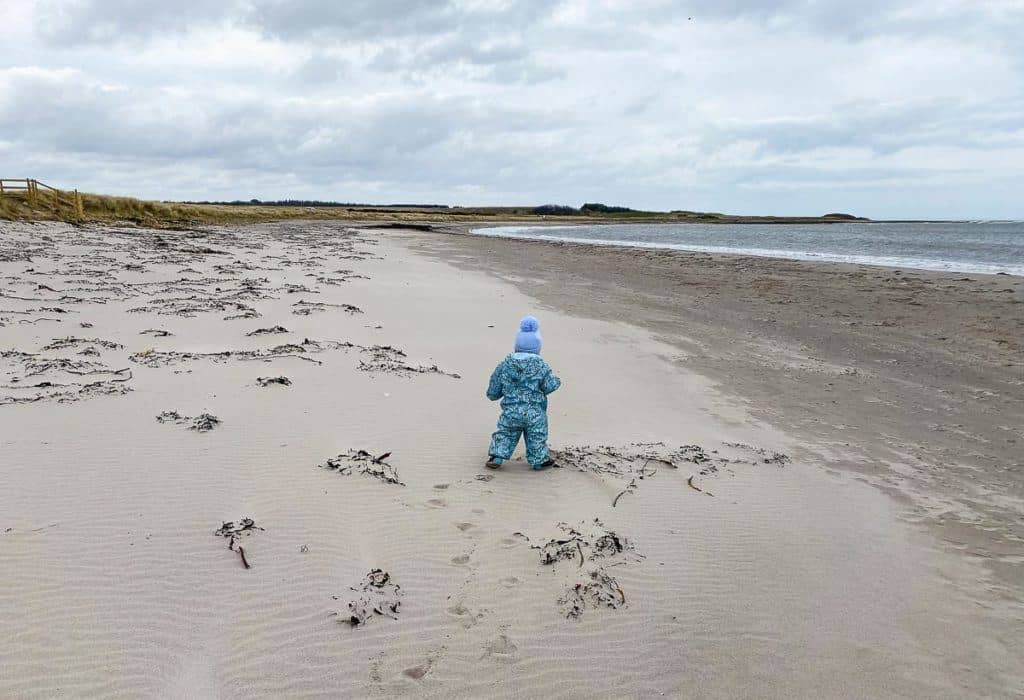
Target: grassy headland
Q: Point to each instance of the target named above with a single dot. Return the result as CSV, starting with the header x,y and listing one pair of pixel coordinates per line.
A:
x,y
104,208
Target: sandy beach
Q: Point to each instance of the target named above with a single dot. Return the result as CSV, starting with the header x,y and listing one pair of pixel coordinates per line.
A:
x,y
777,479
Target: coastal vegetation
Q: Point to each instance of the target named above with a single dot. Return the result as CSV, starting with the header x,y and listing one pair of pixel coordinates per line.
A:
x,y
168,214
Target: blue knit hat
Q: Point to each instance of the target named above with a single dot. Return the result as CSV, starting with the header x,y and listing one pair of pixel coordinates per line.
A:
x,y
528,338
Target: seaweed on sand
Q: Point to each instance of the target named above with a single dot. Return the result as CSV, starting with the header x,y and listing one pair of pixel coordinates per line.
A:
x,y
267,381
305,308
362,462
34,378
267,331
70,342
599,590
157,358
763,455
391,360
378,595
636,461
202,423
594,537
234,531
373,359
594,542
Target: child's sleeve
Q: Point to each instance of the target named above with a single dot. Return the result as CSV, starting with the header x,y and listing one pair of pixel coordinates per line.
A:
x,y
550,382
494,391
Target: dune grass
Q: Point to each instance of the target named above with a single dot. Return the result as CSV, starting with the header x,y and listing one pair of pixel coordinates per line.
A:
x,y
105,208
95,208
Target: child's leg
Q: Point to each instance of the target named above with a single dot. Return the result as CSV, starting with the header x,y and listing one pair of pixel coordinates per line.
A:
x,y
537,437
506,437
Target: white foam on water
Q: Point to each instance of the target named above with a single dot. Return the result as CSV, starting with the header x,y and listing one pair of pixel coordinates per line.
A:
x,y
895,261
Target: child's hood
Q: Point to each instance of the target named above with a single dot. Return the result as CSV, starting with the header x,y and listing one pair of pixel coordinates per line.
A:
x,y
525,362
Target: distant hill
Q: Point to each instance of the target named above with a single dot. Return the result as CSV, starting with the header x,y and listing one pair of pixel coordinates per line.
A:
x,y
844,217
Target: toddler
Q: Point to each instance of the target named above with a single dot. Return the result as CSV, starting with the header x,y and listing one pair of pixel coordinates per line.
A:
x,y
522,381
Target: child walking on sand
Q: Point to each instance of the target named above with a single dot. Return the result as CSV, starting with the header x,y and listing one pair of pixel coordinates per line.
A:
x,y
522,381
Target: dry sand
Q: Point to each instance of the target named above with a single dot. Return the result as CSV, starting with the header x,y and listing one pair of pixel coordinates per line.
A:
x,y
796,578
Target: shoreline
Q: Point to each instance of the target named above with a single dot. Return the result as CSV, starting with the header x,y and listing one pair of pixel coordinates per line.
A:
x,y
777,254
927,363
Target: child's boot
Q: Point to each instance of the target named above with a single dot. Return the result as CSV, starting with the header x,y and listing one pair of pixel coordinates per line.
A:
x,y
494,462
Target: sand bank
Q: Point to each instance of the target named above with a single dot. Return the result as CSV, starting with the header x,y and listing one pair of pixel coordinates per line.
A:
x,y
745,559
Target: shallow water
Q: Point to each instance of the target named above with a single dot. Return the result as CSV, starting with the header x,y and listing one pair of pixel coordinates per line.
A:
x,y
975,247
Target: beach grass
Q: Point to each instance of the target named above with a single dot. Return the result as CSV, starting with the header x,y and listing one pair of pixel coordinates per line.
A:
x,y
99,208
106,208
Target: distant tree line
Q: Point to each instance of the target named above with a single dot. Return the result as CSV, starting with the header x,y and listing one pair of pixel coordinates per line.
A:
x,y
556,210
312,203
588,208
544,209
603,208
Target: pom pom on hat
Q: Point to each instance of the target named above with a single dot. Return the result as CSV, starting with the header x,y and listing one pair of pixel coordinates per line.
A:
x,y
528,338
529,324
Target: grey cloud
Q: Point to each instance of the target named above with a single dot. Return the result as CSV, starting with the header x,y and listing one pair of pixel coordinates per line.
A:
x,y
639,106
526,101
500,60
885,129
377,138
83,21
321,68
524,72
454,48
112,121
71,22
400,35
390,18
867,18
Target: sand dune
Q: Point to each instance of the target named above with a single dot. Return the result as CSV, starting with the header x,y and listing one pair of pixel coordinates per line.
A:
x,y
743,567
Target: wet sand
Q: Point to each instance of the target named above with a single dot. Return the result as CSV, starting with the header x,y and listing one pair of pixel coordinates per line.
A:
x,y
915,379
326,382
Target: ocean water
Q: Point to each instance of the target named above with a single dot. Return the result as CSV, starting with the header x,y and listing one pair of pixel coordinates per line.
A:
x,y
973,247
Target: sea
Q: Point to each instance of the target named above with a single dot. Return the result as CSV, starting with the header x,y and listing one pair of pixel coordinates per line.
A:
x,y
980,247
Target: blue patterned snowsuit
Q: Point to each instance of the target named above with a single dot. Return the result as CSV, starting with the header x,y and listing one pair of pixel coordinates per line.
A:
x,y
522,381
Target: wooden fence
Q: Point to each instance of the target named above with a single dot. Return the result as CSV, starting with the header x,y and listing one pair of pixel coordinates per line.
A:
x,y
39,194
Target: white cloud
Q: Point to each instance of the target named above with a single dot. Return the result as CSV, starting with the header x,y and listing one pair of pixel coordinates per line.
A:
x,y
786,106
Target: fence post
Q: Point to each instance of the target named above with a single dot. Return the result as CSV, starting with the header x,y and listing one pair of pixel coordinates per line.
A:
x,y
31,192
78,205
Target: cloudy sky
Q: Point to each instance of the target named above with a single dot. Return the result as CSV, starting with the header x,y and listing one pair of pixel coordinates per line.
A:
x,y
886,108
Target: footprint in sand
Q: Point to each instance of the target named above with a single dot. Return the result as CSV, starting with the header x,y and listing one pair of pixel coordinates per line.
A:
x,y
466,617
441,487
375,674
416,672
437,503
501,648
458,609
461,559
509,581
465,527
